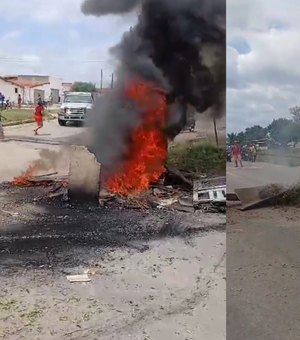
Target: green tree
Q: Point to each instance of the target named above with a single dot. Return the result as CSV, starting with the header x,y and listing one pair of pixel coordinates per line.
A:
x,y
241,137
83,87
231,138
283,130
255,132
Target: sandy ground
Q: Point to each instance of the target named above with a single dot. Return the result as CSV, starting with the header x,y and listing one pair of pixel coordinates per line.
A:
x,y
263,274
257,174
204,130
176,290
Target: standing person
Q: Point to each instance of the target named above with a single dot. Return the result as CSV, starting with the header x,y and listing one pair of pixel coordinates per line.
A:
x,y
38,115
236,154
1,127
253,153
39,98
19,101
2,100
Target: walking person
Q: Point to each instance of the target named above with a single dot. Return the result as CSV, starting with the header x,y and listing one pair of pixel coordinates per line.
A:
x,y
38,115
236,154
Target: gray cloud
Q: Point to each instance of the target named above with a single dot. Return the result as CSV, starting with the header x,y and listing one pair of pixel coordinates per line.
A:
x,y
262,84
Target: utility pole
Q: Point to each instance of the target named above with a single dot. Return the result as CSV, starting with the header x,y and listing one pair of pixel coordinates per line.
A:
x,y
216,132
101,80
112,80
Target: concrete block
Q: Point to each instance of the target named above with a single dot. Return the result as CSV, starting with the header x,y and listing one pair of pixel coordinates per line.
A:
x,y
84,174
201,194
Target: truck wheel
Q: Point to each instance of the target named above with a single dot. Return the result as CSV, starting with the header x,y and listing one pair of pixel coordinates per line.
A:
x,y
61,122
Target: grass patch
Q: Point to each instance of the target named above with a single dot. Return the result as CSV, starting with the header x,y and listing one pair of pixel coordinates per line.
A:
x,y
8,305
16,115
32,316
198,157
291,197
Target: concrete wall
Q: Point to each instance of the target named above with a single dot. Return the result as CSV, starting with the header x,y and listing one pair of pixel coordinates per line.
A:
x,y
56,84
9,91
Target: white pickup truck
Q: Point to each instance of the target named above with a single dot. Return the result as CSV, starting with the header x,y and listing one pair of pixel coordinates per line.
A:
x,y
75,107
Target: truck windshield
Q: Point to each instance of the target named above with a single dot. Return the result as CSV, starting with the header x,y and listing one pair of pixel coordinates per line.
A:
x,y
78,99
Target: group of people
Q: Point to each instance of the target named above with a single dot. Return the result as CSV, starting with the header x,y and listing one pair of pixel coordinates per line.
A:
x,y
236,153
6,103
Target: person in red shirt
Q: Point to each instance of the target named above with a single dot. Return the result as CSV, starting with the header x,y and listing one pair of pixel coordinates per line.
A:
x,y
38,116
236,154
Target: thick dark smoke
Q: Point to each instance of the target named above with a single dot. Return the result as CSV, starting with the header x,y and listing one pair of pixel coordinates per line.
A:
x,y
177,44
103,7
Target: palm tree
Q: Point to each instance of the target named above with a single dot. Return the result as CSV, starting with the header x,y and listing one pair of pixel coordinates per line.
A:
x,y
231,138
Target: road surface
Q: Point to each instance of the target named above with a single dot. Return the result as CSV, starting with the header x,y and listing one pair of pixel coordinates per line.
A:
x,y
262,260
257,174
21,147
174,289
263,274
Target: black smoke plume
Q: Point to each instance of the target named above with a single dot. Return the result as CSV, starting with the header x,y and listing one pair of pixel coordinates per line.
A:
x,y
177,44
99,8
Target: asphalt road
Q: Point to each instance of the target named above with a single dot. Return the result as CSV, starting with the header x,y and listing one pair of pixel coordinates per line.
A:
x,y
21,147
262,260
257,174
263,274
173,289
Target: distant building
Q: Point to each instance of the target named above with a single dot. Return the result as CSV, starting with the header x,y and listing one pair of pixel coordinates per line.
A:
x,y
31,87
67,87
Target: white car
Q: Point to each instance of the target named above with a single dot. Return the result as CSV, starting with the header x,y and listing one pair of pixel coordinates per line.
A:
x,y
75,107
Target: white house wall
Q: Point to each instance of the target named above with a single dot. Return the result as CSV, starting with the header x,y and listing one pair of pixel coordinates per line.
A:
x,y
8,90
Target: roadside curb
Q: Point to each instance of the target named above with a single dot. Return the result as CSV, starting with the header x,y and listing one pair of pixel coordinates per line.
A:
x,y
27,121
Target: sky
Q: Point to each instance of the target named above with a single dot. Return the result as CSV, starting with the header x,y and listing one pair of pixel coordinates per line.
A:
x,y
55,38
263,48
263,65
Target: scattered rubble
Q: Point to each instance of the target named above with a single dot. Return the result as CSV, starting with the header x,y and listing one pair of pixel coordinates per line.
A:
x,y
78,278
176,190
261,196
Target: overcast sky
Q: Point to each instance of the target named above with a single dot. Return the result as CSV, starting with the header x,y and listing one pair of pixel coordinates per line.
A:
x,y
263,65
54,37
263,49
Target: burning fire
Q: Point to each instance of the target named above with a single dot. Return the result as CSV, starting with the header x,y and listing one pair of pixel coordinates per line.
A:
x,y
147,151
24,179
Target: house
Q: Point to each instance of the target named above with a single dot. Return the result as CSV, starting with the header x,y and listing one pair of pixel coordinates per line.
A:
x,y
67,87
11,87
31,87
52,87
11,90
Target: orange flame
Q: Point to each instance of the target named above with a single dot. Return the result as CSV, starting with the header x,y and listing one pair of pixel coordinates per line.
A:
x,y
24,179
147,151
